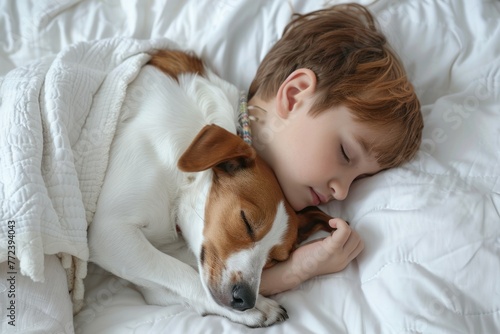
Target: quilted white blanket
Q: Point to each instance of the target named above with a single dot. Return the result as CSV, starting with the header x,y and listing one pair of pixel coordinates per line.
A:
x,y
58,118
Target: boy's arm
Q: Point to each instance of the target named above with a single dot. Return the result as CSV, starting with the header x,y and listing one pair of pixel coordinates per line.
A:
x,y
318,257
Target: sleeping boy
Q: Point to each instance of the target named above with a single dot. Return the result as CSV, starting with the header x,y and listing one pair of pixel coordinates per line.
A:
x,y
331,104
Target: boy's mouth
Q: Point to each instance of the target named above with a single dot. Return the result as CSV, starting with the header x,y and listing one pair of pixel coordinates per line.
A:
x,y
317,199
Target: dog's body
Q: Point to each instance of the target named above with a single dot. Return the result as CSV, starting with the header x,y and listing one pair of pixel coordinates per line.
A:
x,y
170,170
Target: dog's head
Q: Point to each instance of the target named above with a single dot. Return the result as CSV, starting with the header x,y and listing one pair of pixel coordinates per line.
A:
x,y
248,224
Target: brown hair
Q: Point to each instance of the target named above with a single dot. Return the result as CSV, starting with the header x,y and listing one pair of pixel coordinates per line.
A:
x,y
354,67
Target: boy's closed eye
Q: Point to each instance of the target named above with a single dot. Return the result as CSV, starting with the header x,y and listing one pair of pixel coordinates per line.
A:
x,y
344,154
362,176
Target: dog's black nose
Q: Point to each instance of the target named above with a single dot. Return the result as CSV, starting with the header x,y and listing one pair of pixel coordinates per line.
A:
x,y
243,297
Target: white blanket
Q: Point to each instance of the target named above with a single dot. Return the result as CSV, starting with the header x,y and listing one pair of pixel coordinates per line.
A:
x,y
58,118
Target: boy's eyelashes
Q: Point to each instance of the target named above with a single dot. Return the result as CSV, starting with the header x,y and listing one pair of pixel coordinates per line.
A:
x,y
362,176
344,154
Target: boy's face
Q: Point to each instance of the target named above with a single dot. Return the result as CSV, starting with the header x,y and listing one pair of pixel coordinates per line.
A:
x,y
316,159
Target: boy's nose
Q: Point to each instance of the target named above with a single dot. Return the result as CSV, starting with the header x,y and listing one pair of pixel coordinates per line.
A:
x,y
339,194
340,190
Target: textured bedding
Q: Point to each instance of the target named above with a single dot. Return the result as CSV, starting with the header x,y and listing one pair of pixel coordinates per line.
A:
x,y
59,117
431,262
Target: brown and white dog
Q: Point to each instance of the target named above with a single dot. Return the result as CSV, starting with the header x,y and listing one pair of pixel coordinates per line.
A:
x,y
178,173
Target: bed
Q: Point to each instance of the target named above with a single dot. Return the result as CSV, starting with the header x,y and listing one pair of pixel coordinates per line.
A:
x,y
431,262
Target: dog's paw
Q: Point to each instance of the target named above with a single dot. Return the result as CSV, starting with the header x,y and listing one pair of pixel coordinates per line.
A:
x,y
271,311
266,312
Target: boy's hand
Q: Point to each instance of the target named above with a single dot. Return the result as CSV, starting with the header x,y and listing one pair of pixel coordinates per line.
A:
x,y
330,254
318,257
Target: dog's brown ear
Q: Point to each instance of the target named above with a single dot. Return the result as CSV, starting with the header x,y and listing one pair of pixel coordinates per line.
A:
x,y
311,220
215,147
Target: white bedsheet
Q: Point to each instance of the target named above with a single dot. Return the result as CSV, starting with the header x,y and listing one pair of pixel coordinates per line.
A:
x,y
431,228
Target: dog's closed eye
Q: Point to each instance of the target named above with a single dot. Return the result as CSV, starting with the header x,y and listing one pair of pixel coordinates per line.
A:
x,y
250,231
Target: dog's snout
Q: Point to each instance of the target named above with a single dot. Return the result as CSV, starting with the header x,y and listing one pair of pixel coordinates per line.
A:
x,y
243,297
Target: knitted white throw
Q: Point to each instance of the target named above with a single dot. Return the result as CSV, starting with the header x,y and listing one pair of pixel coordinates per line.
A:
x,y
57,120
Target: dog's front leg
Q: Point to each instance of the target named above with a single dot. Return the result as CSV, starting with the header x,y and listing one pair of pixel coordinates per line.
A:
x,y
127,253
122,249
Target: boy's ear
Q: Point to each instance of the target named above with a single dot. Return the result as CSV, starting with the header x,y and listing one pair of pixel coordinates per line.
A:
x,y
311,220
215,147
295,90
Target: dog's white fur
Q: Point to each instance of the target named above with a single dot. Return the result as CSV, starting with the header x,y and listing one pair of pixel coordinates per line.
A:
x,y
145,196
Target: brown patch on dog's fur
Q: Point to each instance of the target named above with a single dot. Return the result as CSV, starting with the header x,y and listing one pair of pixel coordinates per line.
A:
x,y
174,63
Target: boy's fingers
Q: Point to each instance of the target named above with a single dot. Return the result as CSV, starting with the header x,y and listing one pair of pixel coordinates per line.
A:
x,y
341,235
333,223
359,248
352,247
338,223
